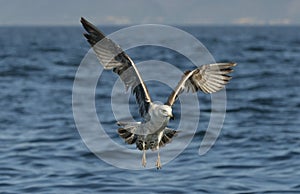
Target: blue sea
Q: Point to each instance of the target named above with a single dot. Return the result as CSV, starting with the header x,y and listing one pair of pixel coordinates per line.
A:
x,y
258,150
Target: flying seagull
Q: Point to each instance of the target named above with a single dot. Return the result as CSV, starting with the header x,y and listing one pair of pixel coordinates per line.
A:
x,y
153,132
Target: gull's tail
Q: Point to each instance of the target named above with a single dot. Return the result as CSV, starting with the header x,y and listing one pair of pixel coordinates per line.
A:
x,y
167,137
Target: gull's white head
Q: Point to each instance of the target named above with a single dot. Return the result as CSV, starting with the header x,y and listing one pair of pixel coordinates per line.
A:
x,y
165,110
160,111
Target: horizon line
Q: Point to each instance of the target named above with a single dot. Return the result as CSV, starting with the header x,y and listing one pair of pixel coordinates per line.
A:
x,y
170,24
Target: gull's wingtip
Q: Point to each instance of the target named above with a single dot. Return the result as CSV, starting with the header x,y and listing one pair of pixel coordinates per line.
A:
x,y
82,19
231,64
84,22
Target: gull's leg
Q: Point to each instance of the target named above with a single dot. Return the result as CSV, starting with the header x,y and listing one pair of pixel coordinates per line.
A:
x,y
144,156
158,163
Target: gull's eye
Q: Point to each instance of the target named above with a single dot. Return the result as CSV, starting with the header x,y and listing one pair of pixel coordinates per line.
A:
x,y
163,111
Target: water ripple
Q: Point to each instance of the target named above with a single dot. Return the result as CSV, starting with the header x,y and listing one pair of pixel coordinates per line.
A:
x,y
257,151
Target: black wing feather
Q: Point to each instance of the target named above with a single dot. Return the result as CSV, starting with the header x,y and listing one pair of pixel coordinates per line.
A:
x,y
113,57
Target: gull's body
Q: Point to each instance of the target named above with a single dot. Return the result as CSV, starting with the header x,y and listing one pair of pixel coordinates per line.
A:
x,y
153,132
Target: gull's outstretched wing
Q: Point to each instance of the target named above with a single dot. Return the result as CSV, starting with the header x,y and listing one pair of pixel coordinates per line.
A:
x,y
113,57
207,78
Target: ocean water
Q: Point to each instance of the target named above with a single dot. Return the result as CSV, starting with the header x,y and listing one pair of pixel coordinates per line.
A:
x,y
258,150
